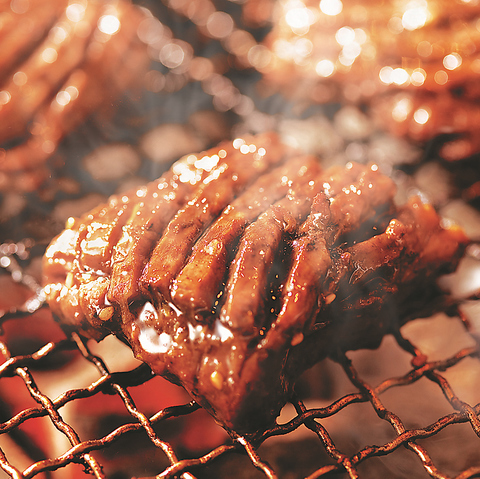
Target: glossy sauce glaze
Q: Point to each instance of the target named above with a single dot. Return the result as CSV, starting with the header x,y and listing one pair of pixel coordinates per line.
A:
x,y
243,266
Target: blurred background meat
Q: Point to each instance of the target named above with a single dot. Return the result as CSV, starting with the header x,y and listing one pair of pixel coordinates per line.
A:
x,y
415,62
61,62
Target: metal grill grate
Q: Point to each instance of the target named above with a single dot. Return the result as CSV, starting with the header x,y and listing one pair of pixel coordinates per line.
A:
x,y
83,451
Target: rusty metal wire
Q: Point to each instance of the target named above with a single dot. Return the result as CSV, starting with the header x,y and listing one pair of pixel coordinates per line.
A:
x,y
82,450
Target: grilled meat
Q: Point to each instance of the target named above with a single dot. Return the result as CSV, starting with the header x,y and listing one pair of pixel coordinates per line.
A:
x,y
243,266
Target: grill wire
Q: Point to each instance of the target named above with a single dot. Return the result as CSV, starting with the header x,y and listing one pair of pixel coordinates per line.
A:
x,y
91,452
82,451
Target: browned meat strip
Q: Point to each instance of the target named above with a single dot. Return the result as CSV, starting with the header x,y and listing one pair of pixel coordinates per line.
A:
x,y
345,205
310,263
98,237
235,168
246,289
360,199
198,284
140,233
403,243
270,277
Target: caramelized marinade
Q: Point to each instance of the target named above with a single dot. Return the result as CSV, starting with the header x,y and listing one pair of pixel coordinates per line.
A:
x,y
244,265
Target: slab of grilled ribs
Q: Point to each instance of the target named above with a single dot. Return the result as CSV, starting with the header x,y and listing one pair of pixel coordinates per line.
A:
x,y
245,265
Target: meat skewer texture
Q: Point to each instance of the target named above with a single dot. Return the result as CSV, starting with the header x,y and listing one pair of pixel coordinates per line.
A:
x,y
244,265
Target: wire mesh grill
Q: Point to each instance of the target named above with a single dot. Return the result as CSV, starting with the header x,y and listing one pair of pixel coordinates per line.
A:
x,y
88,453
